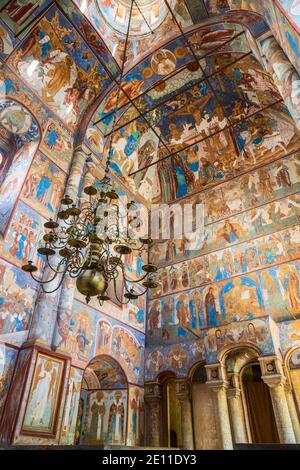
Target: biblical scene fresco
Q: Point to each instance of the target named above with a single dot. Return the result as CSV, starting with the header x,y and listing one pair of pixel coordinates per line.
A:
x,y
244,227
90,333
289,335
17,298
8,358
71,407
67,79
44,186
111,22
44,394
7,41
283,19
106,417
205,346
24,237
18,13
57,144
205,117
273,291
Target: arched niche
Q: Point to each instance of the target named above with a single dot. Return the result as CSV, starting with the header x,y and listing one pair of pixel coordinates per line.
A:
x,y
103,408
19,140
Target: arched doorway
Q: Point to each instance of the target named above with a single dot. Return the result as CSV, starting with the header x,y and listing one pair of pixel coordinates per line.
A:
x,y
102,417
258,403
171,435
204,419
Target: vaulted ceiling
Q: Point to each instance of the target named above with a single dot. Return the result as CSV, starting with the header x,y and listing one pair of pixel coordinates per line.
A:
x,y
192,95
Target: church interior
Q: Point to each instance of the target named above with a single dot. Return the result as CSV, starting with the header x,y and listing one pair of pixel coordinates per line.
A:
x,y
110,108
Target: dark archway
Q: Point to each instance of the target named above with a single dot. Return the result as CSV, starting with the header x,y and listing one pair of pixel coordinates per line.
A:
x,y
260,412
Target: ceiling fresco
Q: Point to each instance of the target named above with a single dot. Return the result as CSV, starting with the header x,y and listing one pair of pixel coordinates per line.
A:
x,y
56,64
108,372
196,90
183,135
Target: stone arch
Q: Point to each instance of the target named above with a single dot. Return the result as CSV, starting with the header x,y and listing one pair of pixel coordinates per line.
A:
x,y
105,414
21,130
236,349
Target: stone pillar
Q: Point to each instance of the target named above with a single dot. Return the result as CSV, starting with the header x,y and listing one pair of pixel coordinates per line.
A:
x,y
284,75
293,411
153,399
66,298
216,375
236,411
272,375
44,317
183,393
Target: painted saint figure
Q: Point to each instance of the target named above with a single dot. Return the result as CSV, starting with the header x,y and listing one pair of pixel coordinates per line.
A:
x,y
116,420
210,308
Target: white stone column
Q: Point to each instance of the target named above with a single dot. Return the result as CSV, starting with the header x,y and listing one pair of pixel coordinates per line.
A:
x,y
272,375
216,374
293,411
44,317
237,415
67,292
183,393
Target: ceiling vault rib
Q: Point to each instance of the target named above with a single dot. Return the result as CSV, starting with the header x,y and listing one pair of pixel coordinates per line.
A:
x,y
142,14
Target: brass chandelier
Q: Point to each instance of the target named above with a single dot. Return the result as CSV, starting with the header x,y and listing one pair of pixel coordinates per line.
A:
x,y
90,243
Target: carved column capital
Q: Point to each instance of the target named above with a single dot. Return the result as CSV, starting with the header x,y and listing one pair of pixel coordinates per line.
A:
x,y
233,392
153,392
272,371
182,390
216,377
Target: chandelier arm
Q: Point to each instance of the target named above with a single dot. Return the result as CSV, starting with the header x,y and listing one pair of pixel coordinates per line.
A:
x,y
44,282
58,266
116,295
58,286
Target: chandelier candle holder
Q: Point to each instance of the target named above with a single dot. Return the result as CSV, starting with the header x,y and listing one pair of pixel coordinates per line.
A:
x,y
92,244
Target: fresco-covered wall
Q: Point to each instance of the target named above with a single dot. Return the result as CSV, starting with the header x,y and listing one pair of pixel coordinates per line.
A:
x,y
234,147
45,87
